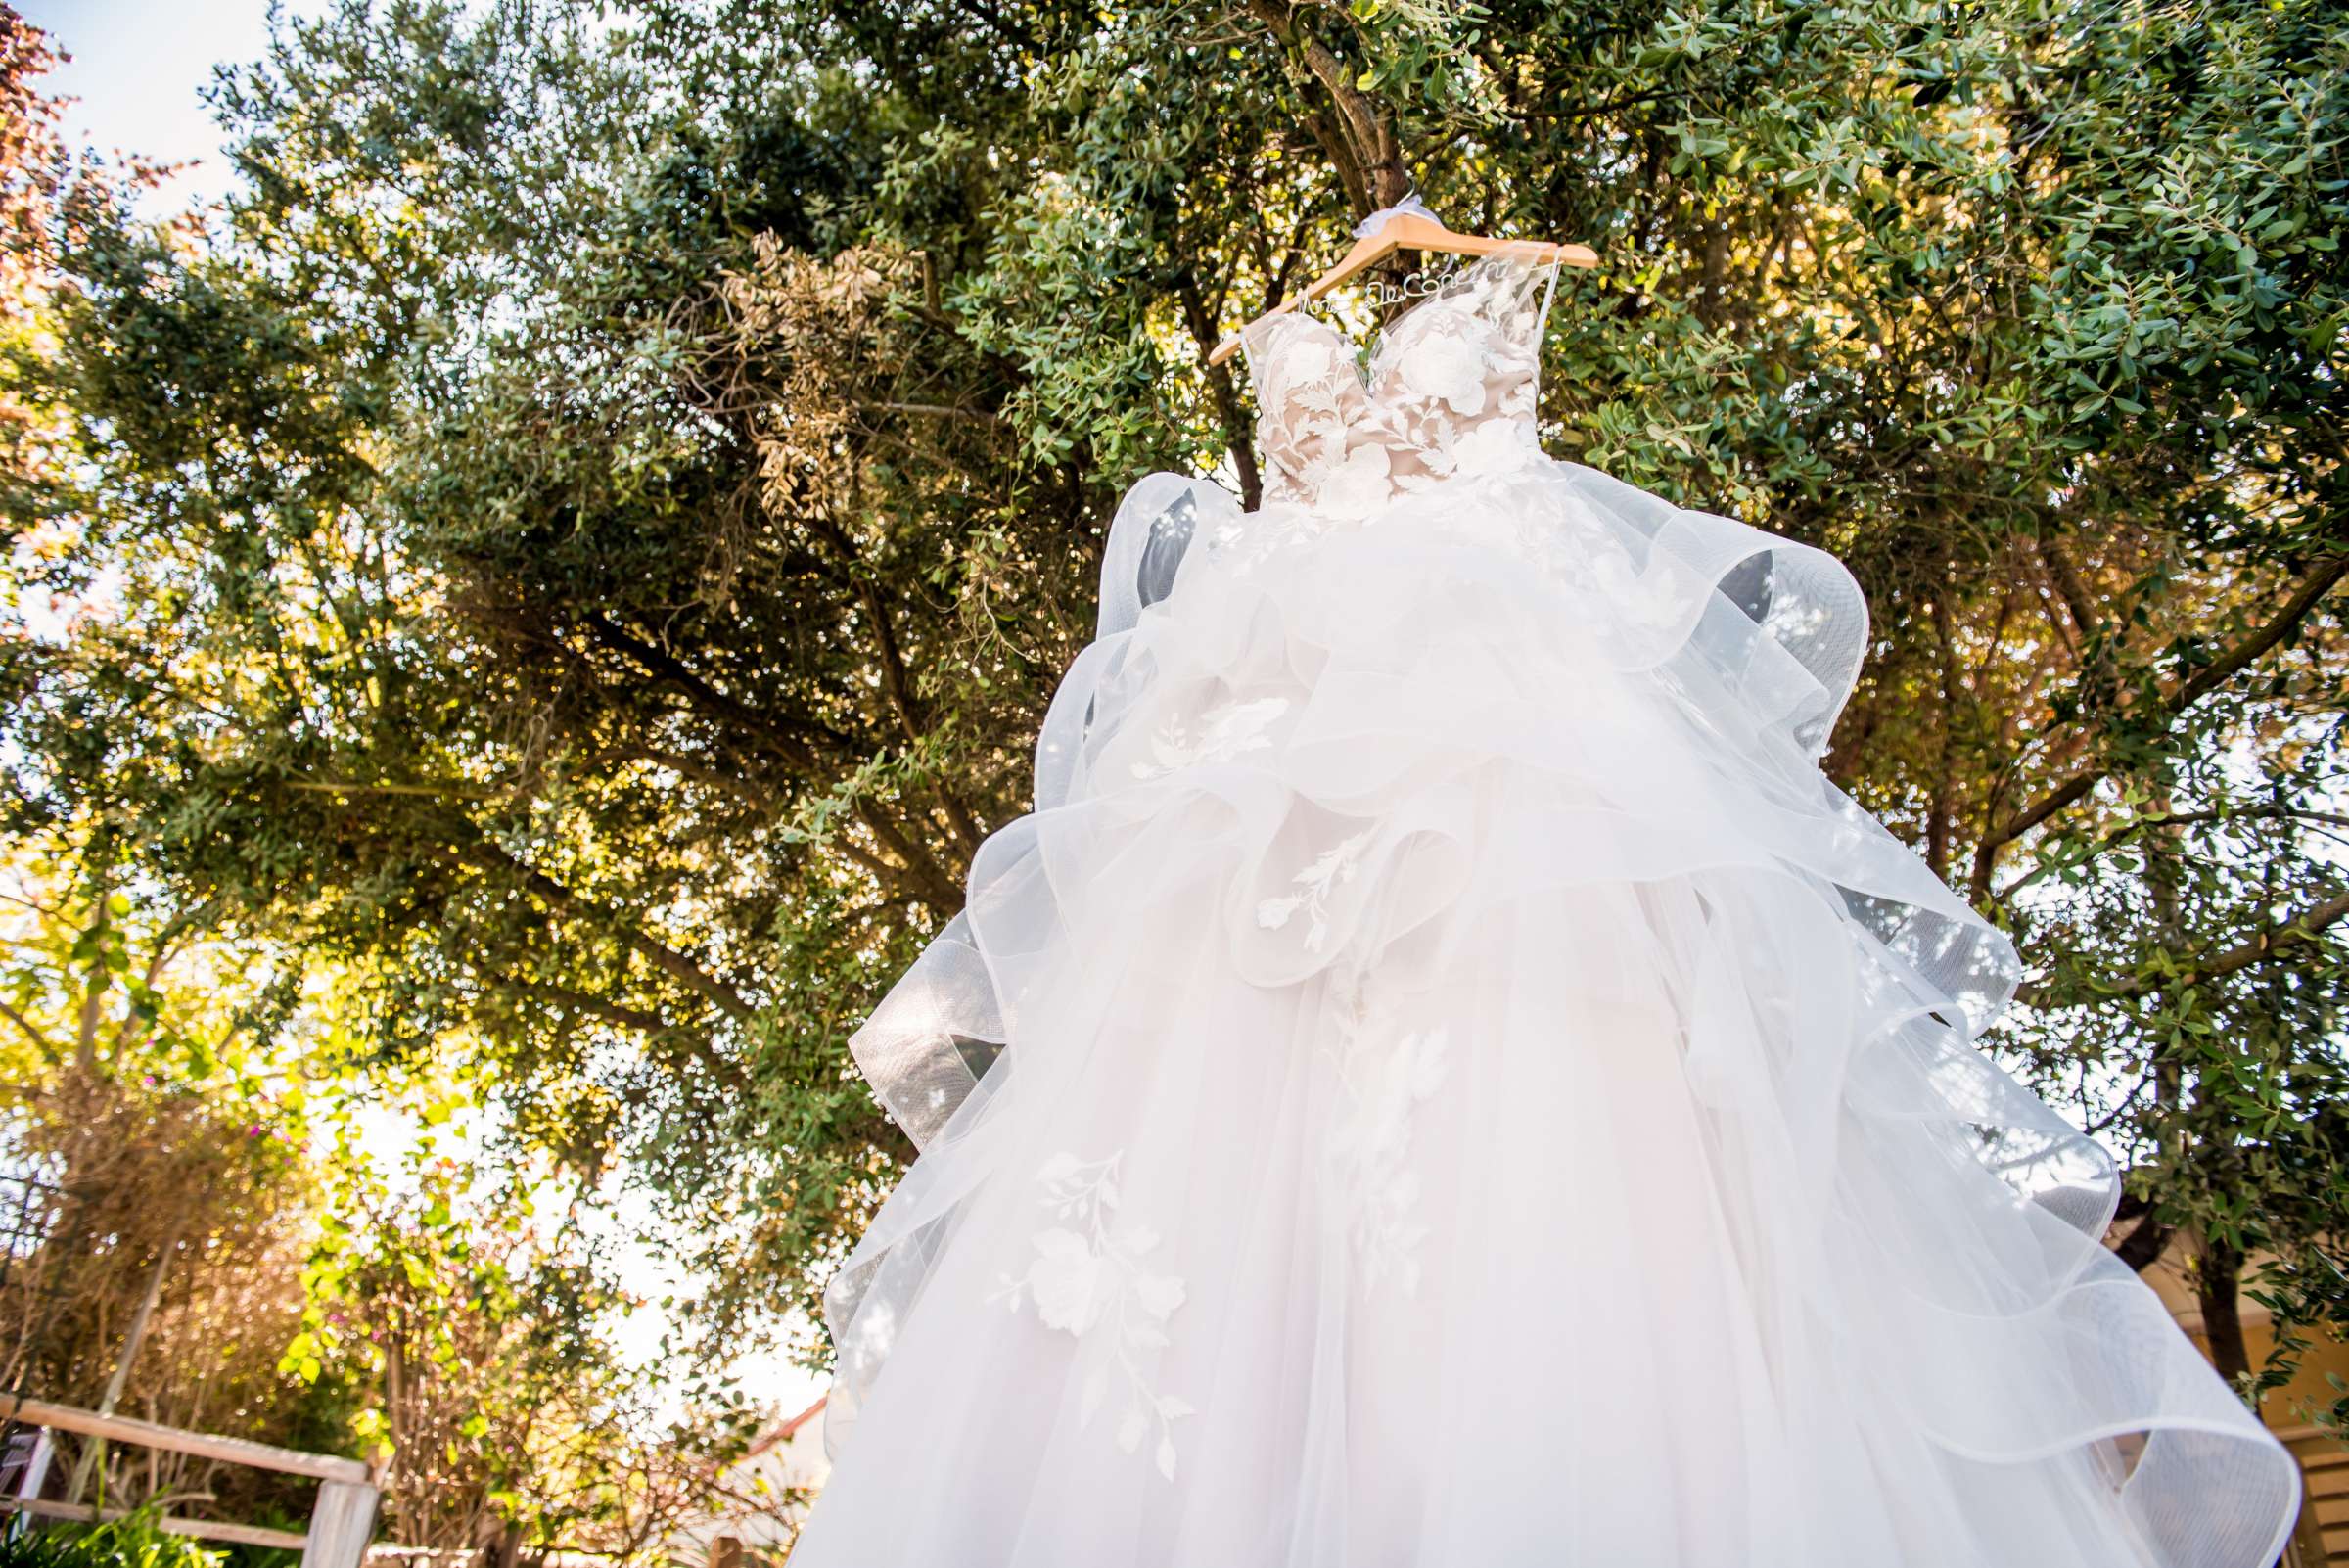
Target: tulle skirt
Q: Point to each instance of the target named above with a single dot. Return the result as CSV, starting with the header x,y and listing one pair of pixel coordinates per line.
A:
x,y
1442,1079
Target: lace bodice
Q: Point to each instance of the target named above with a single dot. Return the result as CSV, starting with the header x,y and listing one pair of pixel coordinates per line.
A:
x,y
1450,391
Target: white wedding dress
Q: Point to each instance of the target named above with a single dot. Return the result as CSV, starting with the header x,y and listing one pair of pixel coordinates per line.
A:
x,y
1442,1080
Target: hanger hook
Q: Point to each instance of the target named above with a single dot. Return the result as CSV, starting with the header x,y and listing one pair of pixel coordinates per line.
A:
x,y
1410,205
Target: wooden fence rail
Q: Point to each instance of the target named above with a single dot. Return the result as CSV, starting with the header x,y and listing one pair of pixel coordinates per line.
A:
x,y
341,1520
204,1529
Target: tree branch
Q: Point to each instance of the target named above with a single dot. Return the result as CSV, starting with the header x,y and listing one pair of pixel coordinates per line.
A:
x,y
431,790
2175,819
38,1038
2144,1244
2209,678
484,855
1237,439
910,722
579,1001
1369,159
927,875
791,739
2069,588
2305,599
2295,932
976,416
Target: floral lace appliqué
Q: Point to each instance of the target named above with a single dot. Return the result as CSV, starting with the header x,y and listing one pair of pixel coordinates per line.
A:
x,y
1384,1076
1222,733
1328,870
1087,1275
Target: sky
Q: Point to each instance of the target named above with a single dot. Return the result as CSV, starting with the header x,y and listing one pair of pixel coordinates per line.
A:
x,y
137,74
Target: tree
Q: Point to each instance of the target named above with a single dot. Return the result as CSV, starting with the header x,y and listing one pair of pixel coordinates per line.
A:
x,y
30,157
589,531
189,1088
137,1084
476,1341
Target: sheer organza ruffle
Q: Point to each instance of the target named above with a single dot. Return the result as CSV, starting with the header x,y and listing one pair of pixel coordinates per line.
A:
x,y
1442,1079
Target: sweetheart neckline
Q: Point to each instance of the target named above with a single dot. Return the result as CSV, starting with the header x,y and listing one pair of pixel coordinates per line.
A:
x,y
1362,354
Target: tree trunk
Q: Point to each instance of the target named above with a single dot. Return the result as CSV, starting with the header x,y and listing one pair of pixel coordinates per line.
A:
x,y
2218,1281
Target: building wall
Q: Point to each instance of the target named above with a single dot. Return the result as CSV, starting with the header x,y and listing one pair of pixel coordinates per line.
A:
x,y
2288,1406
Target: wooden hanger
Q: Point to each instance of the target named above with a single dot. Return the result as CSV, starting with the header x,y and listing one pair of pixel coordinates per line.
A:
x,y
1406,226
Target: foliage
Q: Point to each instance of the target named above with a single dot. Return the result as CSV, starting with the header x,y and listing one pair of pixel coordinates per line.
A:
x,y
133,1541
138,1082
478,1339
580,544
29,151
